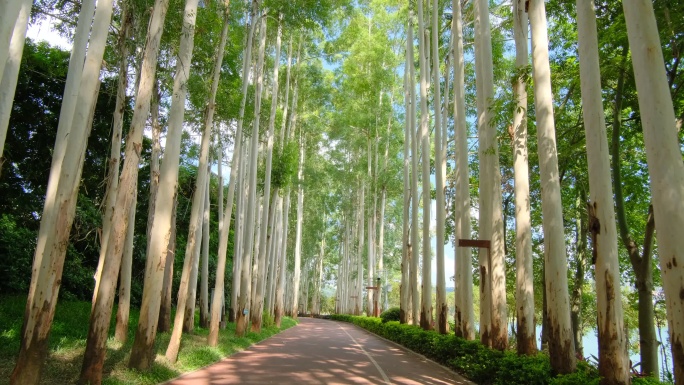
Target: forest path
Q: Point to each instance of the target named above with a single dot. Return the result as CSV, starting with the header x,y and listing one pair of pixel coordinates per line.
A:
x,y
323,352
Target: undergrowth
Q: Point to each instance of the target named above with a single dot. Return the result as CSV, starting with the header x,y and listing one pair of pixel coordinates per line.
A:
x,y
68,338
476,362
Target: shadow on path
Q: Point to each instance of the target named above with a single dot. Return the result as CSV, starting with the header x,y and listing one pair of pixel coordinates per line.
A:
x,y
323,352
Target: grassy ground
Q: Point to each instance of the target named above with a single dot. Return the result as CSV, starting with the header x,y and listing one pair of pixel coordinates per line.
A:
x,y
67,344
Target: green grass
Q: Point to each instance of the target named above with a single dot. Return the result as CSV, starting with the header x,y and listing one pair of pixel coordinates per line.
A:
x,y
68,337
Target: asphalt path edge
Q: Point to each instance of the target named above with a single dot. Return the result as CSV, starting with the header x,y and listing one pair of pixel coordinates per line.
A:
x,y
404,348
178,377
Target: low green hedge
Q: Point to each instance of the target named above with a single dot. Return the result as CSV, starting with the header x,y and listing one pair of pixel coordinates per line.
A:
x,y
476,362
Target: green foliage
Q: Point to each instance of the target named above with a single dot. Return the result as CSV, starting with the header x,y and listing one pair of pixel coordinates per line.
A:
x,y
284,167
477,362
391,314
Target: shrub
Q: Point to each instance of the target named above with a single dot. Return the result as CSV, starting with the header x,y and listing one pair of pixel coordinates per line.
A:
x,y
475,361
391,314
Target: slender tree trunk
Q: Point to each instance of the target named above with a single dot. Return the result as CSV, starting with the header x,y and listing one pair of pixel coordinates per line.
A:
x,y
464,315
115,153
56,218
257,317
298,235
664,164
246,280
561,344
164,322
204,282
415,199
524,296
10,75
440,165
613,360
405,240
426,300
123,310
60,202
142,353
491,218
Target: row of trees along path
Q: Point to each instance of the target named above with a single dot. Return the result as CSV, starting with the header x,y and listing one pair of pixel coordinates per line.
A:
x,y
307,99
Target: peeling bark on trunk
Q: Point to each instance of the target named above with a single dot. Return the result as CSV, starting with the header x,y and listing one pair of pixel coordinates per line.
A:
x,y
247,252
164,322
464,316
123,310
664,164
426,300
524,297
415,220
561,344
440,169
142,353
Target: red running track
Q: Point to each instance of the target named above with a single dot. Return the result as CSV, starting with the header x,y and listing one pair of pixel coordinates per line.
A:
x,y
323,352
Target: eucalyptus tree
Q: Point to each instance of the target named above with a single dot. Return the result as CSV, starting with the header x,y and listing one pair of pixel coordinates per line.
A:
x,y
561,343
493,308
405,295
10,74
124,305
247,252
263,241
217,301
204,280
426,298
60,202
415,199
524,295
115,153
142,353
464,312
440,165
665,165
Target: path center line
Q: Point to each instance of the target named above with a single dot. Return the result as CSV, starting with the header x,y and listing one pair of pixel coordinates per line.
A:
x,y
382,372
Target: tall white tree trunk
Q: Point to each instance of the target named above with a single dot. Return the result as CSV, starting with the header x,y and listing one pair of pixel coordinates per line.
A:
x,y
415,199
664,164
60,201
8,85
405,294
493,310
263,236
115,152
142,353
246,280
371,242
426,300
235,166
561,342
440,170
298,234
524,296
613,362
463,288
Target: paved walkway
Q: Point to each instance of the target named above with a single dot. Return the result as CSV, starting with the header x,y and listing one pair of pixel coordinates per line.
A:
x,y
323,352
